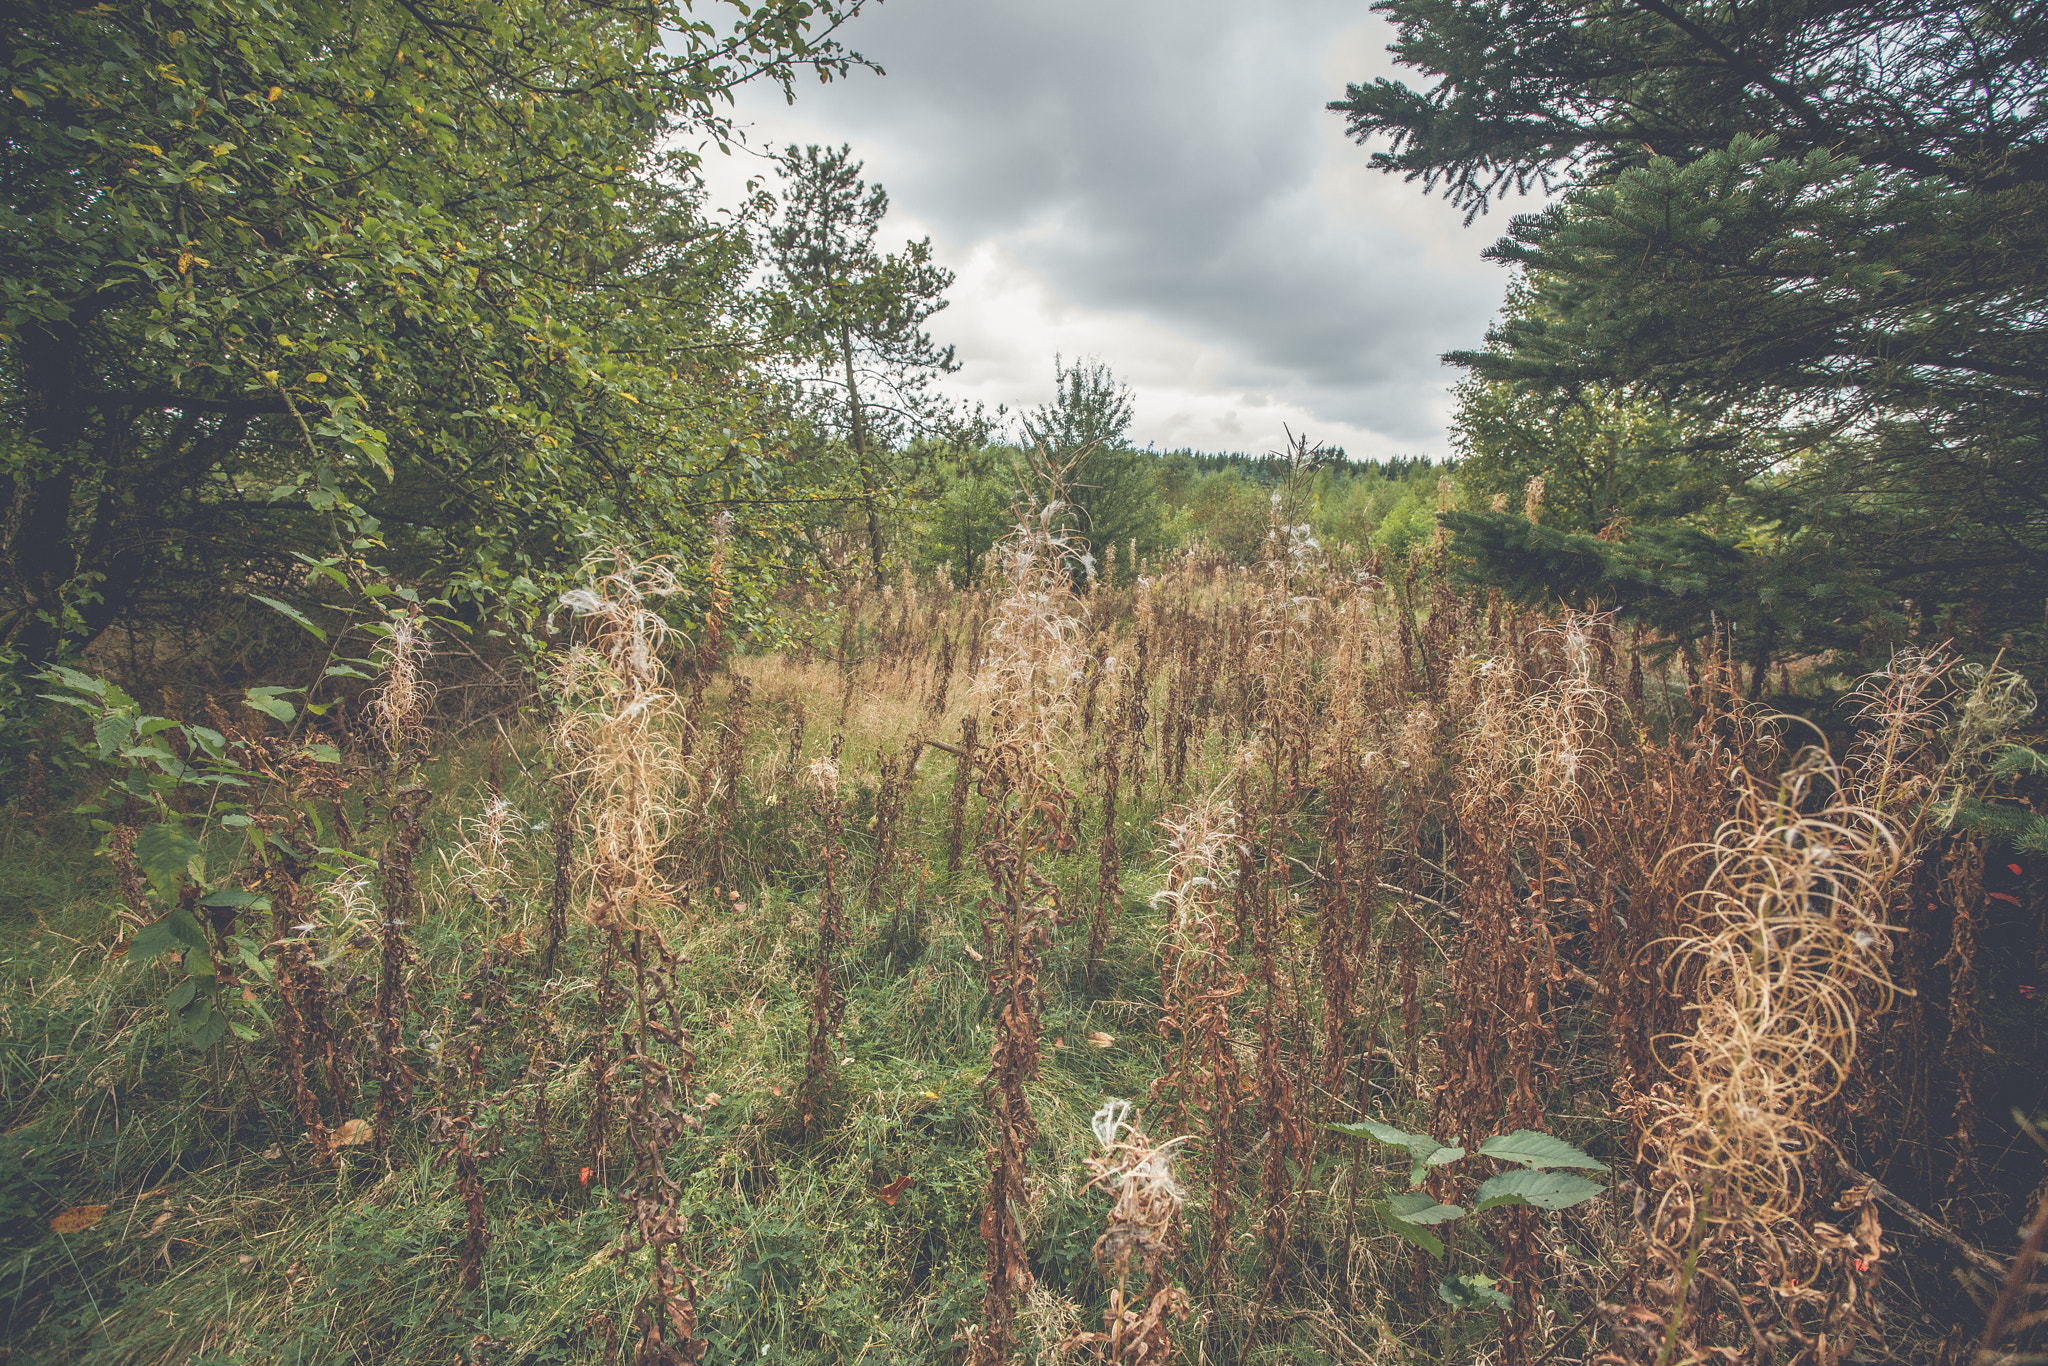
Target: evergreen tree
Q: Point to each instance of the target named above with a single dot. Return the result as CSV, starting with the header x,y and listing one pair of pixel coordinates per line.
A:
x,y
857,314
1110,486
1823,229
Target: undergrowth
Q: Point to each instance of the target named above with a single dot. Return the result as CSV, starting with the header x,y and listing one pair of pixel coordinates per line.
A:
x,y
721,1007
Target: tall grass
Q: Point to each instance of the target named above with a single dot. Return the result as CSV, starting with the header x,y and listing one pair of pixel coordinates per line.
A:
x,y
674,1025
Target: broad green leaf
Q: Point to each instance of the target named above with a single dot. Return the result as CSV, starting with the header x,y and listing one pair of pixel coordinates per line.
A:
x,y
1415,1207
228,896
78,682
1472,1291
1545,1190
164,851
1532,1149
326,754
1424,1151
203,1024
267,701
293,613
111,732
151,940
187,931
1414,1233
181,995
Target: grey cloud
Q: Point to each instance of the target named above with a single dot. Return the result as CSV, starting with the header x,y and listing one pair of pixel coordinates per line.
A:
x,y
1171,159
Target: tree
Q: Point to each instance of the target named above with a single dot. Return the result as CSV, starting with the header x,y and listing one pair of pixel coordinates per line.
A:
x,y
856,314
278,277
1111,488
1819,228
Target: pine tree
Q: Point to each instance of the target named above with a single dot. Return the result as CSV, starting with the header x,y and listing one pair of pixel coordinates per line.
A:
x,y
1823,228
1110,487
857,313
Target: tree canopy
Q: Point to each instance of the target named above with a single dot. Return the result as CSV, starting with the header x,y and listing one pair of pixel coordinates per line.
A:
x,y
429,263
1819,227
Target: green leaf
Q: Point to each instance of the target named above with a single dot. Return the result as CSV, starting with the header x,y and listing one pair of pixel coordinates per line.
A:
x,y
1532,1149
149,941
248,952
1425,1151
111,732
326,754
1415,1207
228,896
1545,1190
267,701
293,613
1414,1233
1468,1290
203,1024
164,851
185,929
181,995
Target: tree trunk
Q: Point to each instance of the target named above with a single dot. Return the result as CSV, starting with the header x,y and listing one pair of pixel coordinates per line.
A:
x,y
860,455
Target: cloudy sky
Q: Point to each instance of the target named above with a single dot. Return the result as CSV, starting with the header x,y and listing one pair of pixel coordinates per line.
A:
x,y
1156,183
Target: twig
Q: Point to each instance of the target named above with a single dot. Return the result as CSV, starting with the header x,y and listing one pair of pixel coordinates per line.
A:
x,y
1962,1247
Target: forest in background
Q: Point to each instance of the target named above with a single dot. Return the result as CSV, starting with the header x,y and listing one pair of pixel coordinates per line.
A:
x,y
563,804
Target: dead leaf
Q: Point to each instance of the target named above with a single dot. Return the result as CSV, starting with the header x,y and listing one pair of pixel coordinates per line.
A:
x,y
513,943
77,1219
971,953
353,1133
274,1151
887,1194
1098,1039
159,1221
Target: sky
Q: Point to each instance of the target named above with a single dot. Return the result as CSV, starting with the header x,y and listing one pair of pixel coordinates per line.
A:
x,y
1156,184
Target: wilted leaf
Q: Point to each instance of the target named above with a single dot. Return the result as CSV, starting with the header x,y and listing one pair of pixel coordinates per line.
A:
x,y
1545,1190
1532,1149
353,1133
77,1219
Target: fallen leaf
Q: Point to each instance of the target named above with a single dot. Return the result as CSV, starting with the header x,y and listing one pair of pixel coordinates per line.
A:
x,y
158,1222
353,1133
929,1095
1098,1039
712,1098
971,953
1060,1042
887,1194
77,1219
513,943
274,1151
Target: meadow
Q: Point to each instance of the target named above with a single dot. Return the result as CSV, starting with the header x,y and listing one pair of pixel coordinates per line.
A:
x,y
1306,962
